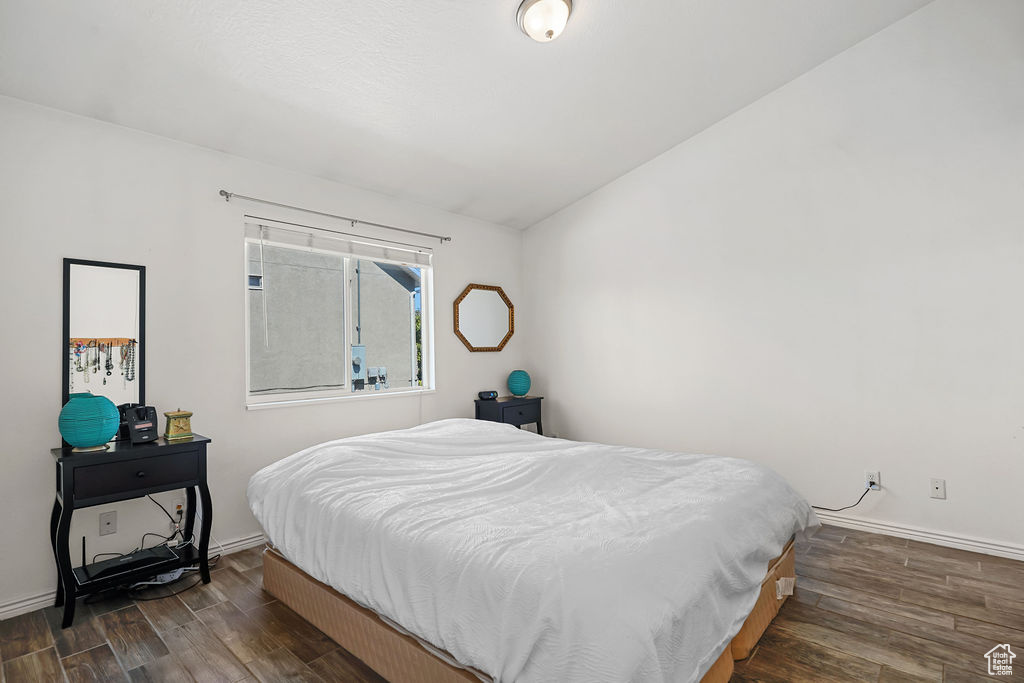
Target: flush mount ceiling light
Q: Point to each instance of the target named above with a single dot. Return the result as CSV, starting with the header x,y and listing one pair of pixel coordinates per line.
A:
x,y
544,20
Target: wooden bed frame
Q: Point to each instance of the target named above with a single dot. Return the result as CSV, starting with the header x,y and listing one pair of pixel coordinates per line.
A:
x,y
402,659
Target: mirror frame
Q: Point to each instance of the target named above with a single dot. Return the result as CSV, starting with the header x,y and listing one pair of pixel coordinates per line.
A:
x,y
140,368
511,317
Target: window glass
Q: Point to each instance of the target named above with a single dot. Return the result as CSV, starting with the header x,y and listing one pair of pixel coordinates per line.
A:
x,y
296,319
323,322
386,326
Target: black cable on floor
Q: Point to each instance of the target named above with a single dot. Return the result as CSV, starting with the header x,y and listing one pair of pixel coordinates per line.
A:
x,y
818,507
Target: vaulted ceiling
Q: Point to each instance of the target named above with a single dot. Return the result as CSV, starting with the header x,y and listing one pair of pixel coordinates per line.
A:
x,y
441,102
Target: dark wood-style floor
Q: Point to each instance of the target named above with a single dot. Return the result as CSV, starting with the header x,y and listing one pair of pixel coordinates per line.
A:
x,y
877,608
867,608
227,630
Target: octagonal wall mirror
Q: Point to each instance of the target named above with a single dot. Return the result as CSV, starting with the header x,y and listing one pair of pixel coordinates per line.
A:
x,y
484,318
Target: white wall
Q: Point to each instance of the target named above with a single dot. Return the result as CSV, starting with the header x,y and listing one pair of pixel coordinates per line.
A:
x,y
828,281
74,187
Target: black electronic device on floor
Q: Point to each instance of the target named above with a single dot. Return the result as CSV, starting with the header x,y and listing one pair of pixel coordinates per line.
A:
x,y
125,564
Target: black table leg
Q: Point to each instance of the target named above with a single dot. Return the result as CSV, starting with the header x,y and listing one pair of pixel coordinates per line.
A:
x,y
204,533
540,427
54,518
190,514
67,576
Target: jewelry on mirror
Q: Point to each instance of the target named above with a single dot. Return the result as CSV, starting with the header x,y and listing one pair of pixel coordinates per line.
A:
x,y
129,373
91,356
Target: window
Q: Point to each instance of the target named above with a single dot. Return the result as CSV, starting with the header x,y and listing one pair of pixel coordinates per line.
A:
x,y
328,316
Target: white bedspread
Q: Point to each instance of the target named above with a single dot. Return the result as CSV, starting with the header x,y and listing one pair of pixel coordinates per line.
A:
x,y
535,559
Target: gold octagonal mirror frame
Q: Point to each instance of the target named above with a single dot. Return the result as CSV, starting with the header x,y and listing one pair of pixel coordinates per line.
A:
x,y
511,317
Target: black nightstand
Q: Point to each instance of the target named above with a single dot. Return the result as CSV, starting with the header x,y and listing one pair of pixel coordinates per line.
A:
x,y
512,410
123,472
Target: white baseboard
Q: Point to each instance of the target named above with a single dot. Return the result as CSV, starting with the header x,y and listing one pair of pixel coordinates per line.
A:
x,y
972,543
13,608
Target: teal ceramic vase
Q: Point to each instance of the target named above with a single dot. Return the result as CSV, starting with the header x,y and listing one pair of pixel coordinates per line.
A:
x,y
88,422
519,382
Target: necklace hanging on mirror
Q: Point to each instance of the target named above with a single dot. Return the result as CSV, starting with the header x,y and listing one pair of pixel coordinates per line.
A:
x,y
130,369
109,367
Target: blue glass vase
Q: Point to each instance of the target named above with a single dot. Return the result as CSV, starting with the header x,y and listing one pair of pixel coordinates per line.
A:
x,y
88,422
519,382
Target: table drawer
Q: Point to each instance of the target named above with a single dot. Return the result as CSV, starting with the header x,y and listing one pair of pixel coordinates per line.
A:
x,y
521,414
94,481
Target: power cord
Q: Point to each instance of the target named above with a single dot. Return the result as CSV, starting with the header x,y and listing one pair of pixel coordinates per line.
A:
x,y
175,522
866,491
165,539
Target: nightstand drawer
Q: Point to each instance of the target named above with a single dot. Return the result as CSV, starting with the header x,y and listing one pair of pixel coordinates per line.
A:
x,y
521,414
94,481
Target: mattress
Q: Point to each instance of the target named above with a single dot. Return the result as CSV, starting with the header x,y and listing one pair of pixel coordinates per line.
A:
x,y
535,559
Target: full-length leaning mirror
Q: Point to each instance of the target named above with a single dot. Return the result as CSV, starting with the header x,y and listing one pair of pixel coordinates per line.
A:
x,y
484,318
103,346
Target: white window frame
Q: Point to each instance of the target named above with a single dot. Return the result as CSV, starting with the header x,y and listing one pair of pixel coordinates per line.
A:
x,y
345,393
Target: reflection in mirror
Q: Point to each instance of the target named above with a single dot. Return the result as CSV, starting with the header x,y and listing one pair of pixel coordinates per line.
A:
x,y
484,318
104,322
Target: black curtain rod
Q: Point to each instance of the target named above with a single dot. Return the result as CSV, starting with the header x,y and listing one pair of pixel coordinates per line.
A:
x,y
228,196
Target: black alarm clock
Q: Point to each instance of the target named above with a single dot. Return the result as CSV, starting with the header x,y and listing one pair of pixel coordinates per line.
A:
x,y
138,423
488,395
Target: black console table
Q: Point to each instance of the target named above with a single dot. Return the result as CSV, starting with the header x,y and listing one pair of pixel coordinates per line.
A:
x,y
512,410
123,472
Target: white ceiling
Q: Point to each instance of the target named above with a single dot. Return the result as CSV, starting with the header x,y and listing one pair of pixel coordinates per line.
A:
x,y
441,102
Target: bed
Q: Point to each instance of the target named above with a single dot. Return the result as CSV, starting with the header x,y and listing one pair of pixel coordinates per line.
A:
x,y
462,550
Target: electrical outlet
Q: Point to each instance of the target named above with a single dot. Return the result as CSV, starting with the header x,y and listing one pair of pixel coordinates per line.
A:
x,y
108,523
873,481
178,513
939,489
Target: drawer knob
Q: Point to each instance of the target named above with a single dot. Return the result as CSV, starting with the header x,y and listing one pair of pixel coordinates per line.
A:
x,y
140,474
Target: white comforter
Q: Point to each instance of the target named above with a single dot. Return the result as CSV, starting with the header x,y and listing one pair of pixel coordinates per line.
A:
x,y
535,559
